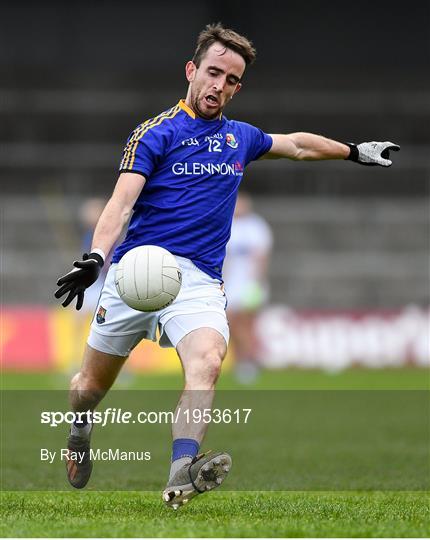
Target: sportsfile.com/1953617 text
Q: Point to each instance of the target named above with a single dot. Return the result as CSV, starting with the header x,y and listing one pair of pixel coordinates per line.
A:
x,y
112,415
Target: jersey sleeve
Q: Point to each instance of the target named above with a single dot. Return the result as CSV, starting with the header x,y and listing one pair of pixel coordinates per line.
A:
x,y
258,142
143,150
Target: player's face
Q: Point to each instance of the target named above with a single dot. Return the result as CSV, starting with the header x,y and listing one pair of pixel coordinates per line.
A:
x,y
215,81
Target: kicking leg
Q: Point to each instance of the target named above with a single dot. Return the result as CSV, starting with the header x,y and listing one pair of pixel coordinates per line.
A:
x,y
201,352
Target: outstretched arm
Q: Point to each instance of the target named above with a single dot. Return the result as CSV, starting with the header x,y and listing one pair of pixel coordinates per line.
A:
x,y
308,146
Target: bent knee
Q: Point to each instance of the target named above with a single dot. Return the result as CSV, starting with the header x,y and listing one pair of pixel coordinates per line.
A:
x,y
213,362
203,372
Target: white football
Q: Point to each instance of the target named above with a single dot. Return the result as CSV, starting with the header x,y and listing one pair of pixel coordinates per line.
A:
x,y
148,278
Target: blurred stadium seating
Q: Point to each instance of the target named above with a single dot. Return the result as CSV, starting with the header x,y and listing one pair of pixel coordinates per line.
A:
x,y
346,237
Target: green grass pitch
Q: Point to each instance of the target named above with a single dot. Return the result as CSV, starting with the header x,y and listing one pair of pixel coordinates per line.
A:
x,y
225,513
219,514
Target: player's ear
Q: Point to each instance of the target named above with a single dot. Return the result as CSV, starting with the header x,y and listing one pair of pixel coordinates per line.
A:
x,y
190,71
238,87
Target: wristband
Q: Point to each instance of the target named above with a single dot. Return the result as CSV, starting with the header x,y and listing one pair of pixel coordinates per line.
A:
x,y
354,153
95,255
100,252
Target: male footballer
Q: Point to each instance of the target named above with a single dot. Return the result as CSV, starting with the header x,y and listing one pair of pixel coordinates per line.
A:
x,y
178,179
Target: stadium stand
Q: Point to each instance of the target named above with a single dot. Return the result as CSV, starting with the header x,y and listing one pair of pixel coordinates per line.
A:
x,y
344,235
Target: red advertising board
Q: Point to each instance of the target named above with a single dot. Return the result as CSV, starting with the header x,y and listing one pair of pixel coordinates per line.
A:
x,y
25,338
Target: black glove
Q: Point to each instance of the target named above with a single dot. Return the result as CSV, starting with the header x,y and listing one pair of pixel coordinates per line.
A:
x,y
372,153
80,278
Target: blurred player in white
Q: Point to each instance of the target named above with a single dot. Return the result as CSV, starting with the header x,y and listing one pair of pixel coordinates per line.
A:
x,y
246,283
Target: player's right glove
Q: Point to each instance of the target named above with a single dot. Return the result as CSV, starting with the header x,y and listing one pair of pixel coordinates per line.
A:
x,y
372,153
80,278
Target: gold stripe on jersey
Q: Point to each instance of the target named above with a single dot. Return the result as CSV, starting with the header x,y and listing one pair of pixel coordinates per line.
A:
x,y
127,150
158,120
139,132
135,135
150,122
126,154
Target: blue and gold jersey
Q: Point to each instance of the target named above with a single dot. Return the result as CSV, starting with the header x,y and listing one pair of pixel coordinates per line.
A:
x,y
193,168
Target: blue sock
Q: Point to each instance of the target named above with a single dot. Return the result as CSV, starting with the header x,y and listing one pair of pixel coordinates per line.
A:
x,y
184,448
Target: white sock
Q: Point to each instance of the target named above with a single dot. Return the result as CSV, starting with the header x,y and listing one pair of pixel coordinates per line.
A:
x,y
178,464
84,432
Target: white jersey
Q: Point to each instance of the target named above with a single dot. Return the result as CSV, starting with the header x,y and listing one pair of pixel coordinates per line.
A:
x,y
251,236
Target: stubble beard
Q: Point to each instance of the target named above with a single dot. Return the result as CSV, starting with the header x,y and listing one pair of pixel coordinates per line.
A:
x,y
200,113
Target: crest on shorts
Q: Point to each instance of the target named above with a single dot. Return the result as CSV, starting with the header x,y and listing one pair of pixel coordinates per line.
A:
x,y
231,141
100,317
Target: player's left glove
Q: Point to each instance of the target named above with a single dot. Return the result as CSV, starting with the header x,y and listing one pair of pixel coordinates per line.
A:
x,y
80,278
372,153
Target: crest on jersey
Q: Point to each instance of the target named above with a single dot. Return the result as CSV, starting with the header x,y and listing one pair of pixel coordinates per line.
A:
x,y
100,317
231,140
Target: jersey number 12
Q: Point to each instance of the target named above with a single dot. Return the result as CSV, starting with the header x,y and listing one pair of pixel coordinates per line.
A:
x,y
214,145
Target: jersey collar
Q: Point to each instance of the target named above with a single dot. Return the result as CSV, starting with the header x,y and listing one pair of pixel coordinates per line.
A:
x,y
191,113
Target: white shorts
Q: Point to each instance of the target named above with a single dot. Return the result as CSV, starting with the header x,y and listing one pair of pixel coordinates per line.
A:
x,y
116,328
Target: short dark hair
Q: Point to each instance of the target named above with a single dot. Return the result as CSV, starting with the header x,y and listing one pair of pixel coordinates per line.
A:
x,y
229,38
